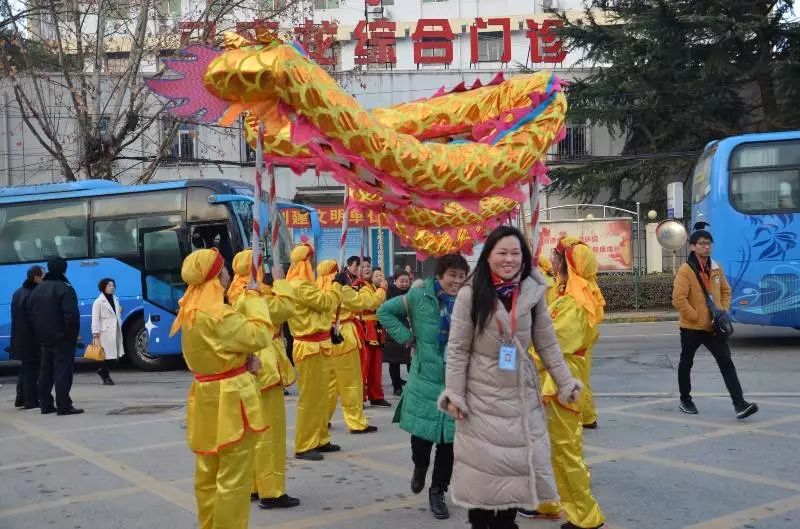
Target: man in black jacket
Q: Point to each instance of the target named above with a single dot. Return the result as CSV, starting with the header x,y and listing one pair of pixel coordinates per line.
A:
x,y
53,312
24,346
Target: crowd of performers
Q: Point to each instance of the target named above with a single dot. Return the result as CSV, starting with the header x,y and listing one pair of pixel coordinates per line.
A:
x,y
499,358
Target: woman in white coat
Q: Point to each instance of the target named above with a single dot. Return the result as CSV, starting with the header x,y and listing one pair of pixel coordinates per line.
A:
x,y
107,326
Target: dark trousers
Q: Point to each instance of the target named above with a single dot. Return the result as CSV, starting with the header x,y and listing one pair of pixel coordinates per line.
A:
x,y
442,464
691,340
394,373
105,368
483,519
56,370
28,383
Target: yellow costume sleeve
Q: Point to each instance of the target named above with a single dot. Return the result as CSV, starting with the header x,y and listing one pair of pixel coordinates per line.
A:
x,y
354,300
310,295
248,328
572,329
280,307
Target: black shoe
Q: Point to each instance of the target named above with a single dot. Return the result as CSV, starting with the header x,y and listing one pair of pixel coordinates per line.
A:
x,y
383,403
19,404
438,506
48,410
328,447
418,479
282,502
368,429
570,525
309,455
687,406
397,392
108,382
70,411
30,407
590,426
254,496
746,409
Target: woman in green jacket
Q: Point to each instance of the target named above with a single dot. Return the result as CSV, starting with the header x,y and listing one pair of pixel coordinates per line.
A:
x,y
428,309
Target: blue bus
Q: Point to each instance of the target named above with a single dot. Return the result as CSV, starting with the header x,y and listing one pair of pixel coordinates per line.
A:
x,y
748,189
137,235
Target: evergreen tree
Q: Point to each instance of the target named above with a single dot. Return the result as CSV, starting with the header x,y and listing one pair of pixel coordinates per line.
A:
x,y
672,75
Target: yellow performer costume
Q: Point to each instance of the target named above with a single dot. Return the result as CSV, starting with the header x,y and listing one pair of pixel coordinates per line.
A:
x,y
276,373
310,324
576,314
224,410
345,364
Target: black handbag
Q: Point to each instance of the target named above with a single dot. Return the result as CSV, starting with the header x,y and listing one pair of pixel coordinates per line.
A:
x,y
720,319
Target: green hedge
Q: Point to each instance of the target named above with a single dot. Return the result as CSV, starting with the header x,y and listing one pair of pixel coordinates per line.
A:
x,y
654,291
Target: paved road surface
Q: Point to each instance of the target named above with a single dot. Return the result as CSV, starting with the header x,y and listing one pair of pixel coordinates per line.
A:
x,y
124,464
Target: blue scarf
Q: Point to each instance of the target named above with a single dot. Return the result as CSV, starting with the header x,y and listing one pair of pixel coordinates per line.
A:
x,y
446,302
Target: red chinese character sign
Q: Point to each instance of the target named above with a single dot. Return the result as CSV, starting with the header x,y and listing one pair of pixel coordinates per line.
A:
x,y
610,239
376,42
433,35
545,45
318,40
474,38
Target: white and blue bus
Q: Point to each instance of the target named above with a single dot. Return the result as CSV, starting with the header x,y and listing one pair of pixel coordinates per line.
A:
x,y
137,235
748,188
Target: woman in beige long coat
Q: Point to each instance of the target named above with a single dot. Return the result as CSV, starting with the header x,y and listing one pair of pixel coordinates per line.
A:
x,y
502,448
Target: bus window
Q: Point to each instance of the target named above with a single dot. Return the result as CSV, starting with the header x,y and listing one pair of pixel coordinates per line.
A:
x,y
116,237
163,259
36,232
701,176
765,177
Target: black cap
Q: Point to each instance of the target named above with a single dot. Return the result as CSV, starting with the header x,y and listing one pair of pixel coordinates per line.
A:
x,y
57,266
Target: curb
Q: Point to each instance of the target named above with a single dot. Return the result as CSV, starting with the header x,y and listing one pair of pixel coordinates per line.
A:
x,y
644,318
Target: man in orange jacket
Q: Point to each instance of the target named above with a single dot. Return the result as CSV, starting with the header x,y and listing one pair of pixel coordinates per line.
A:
x,y
696,323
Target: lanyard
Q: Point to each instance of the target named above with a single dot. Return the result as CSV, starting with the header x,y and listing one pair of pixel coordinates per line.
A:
x,y
705,275
513,316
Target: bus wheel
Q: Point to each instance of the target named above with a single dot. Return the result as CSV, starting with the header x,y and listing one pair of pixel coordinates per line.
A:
x,y
136,348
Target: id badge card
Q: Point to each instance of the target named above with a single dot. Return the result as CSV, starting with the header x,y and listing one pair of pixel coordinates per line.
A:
x,y
507,358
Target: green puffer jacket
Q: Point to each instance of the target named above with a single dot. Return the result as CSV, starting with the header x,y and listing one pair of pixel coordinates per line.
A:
x,y
417,412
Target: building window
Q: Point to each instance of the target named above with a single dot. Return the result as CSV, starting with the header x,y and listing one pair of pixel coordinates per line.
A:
x,y
575,145
184,143
102,127
490,46
326,4
117,62
274,5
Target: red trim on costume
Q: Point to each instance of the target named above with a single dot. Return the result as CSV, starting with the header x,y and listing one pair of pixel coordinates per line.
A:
x,y
316,337
580,353
235,372
216,268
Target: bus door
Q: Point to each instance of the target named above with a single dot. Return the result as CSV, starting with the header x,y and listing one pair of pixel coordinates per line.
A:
x,y
163,251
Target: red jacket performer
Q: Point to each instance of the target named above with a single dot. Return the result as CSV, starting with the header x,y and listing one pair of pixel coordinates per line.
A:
x,y
372,351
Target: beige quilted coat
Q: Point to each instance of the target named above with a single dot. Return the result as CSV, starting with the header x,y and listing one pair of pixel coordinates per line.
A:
x,y
502,448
